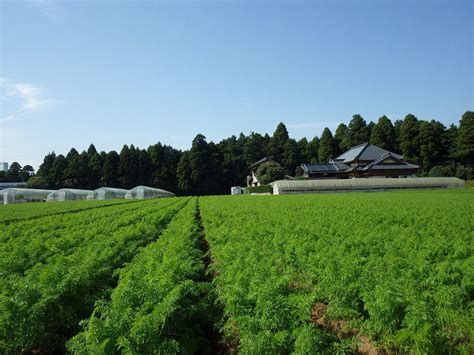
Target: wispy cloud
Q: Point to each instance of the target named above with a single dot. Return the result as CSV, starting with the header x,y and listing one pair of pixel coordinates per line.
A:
x,y
27,98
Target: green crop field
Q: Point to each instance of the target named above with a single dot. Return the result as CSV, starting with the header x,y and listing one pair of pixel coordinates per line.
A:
x,y
303,274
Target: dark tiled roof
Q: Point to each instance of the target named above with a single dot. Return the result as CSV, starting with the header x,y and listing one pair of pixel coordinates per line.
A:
x,y
365,152
340,164
331,167
352,153
376,164
395,167
319,168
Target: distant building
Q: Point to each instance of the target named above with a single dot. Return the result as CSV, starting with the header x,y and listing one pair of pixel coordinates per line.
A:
x,y
9,185
4,166
252,179
364,160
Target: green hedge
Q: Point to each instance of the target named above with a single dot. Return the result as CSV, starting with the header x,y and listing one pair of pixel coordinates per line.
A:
x,y
260,189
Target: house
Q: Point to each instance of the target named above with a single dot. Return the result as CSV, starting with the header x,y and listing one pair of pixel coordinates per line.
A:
x,y
363,160
252,179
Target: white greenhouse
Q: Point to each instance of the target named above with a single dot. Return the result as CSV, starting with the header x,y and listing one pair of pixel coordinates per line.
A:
x,y
106,193
282,187
67,195
145,192
16,195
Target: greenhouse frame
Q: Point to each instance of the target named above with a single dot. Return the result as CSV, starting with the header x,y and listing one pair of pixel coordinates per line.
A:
x,y
145,192
283,187
106,193
67,195
18,195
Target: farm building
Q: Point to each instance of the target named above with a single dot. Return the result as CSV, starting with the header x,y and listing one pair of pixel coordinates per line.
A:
x,y
67,195
252,179
145,192
106,193
15,195
283,187
364,160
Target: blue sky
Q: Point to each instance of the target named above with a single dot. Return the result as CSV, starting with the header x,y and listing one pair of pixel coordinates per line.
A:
x,y
137,72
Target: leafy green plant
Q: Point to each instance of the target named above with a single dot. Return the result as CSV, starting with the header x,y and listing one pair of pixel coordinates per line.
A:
x,y
162,302
259,189
42,307
396,266
27,211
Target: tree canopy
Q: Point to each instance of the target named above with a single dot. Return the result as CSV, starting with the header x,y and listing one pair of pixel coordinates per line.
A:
x,y
212,168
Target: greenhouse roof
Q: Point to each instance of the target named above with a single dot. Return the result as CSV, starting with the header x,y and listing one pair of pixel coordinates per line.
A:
x,y
20,190
76,191
282,186
141,187
113,189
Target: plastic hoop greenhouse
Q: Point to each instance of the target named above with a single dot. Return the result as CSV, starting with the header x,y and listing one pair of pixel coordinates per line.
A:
x,y
67,195
16,195
145,192
282,187
106,193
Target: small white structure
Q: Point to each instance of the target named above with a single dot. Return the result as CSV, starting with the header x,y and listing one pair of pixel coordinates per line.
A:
x,y
145,192
236,190
15,195
106,193
67,195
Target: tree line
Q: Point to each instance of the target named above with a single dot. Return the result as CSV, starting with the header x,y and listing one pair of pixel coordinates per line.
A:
x,y
212,168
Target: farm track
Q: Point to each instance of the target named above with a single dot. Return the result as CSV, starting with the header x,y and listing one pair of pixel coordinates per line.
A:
x,y
214,336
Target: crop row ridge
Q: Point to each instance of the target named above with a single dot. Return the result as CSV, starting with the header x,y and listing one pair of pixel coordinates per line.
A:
x,y
341,329
67,212
213,335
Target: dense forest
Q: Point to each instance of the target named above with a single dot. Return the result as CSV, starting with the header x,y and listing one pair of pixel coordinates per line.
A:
x,y
212,168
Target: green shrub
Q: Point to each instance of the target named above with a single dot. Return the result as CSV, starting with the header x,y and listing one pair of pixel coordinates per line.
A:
x,y
260,189
270,171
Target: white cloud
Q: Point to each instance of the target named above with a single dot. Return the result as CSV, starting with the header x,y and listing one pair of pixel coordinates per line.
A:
x,y
26,98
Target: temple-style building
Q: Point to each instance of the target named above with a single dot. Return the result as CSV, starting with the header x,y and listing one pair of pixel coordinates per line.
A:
x,y
364,160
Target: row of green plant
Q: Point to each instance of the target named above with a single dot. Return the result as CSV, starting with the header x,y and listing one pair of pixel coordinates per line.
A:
x,y
26,243
163,303
397,267
25,211
41,308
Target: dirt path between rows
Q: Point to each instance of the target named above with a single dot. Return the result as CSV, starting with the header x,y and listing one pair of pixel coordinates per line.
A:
x,y
342,330
213,335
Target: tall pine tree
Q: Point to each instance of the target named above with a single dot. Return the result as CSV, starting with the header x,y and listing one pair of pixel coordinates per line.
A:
x,y
383,134
326,146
